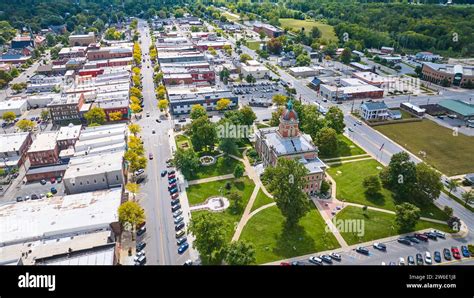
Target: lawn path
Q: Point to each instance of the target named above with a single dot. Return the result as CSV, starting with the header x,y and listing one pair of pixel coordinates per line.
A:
x,y
211,179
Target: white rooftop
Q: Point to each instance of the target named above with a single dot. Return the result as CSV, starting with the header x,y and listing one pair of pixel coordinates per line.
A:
x,y
12,141
44,142
69,132
94,164
47,218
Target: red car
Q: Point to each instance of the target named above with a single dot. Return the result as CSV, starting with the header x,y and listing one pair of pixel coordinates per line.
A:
x,y
52,180
171,176
455,252
174,196
285,264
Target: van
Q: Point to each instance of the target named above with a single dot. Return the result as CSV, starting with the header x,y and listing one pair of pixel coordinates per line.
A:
x,y
179,234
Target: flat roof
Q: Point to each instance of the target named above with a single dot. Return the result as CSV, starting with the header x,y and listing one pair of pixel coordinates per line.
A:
x,y
69,132
86,165
101,256
12,141
12,104
59,215
44,141
458,106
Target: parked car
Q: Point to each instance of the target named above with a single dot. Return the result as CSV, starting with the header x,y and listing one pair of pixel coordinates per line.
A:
x,y
401,261
179,234
141,231
335,256
439,234
174,202
173,191
140,246
43,182
380,246
285,264
404,241
150,156
362,250
141,260
428,260
413,239
53,190
139,172
431,236
163,173
437,256
181,240
172,176
188,263
175,207
326,259
455,252
174,196
171,172
171,186
178,219
421,237
179,226
465,251
419,259
52,180
447,254
315,260
19,199
153,131
34,197
171,181
177,213
182,248
411,260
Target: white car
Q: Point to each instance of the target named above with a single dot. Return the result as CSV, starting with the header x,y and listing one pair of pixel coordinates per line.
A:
x,y
401,261
428,258
315,260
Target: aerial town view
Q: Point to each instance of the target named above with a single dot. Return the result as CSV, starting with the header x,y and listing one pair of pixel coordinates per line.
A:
x,y
237,132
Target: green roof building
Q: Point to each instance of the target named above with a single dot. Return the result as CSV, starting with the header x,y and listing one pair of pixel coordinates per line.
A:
x,y
463,110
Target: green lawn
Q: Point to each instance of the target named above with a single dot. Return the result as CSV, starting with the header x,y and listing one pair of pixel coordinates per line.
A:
x,y
272,242
253,44
200,192
327,31
376,225
349,177
345,147
231,17
223,166
183,142
261,200
449,153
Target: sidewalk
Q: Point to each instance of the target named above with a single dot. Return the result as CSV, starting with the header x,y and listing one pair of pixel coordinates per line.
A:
x,y
211,179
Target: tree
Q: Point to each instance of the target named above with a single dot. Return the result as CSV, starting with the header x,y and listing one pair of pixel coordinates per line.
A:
x,y
135,108
134,128
279,99
452,185
134,91
239,171
406,216
428,184
400,175
25,125
209,232
163,104
212,51
236,200
274,46
468,197
228,145
132,187
326,139
131,213
95,115
224,75
44,115
311,121
247,115
372,185
286,182
186,161
239,253
203,134
335,119
9,116
245,57
448,210
115,116
250,79
303,60
197,111
275,120
223,104
315,32
262,35
346,56
18,87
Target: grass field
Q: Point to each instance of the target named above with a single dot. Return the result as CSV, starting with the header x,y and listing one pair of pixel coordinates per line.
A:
x,y
231,17
327,31
450,154
183,142
377,225
272,242
349,177
223,166
261,200
253,44
345,148
200,192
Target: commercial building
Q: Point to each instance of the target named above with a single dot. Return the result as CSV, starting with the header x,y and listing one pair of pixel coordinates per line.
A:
x,y
60,216
182,101
82,39
102,139
204,45
374,110
68,108
115,106
18,106
413,109
391,59
375,79
106,53
44,150
173,57
94,172
447,74
305,71
350,92
68,135
20,42
462,110
387,50
269,30
361,66
13,149
186,75
286,141
72,52
427,56
254,69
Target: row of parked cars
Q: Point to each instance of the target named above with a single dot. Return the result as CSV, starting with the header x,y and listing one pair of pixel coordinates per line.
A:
x,y
140,257
34,196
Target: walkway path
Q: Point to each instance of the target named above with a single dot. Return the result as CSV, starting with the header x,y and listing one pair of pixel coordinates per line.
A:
x,y
348,161
211,179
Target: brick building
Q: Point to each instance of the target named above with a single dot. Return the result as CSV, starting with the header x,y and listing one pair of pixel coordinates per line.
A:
x,y
44,150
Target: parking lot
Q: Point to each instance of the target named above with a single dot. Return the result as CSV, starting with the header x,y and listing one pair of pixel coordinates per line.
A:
x,y
260,93
395,250
37,188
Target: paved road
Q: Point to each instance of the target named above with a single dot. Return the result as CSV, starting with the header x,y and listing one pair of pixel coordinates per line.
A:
x,y
160,237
